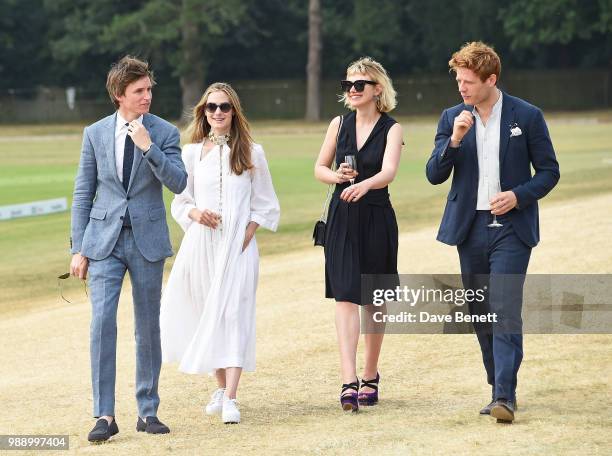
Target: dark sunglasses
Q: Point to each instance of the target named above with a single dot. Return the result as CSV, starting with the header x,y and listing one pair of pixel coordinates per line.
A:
x,y
224,107
61,290
359,85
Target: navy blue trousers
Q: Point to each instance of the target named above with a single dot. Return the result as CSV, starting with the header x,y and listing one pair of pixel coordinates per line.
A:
x,y
496,260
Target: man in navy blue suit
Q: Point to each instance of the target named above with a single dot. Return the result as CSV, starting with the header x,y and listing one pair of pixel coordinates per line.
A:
x,y
489,143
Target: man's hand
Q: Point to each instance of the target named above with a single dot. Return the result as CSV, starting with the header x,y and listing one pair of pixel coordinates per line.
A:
x,y
139,135
250,232
79,265
503,202
463,123
205,217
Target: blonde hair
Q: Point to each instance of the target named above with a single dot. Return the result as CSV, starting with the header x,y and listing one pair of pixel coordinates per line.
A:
x,y
240,132
478,57
121,74
387,100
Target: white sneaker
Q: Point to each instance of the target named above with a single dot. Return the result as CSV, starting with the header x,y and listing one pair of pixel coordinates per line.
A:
x,y
215,406
230,414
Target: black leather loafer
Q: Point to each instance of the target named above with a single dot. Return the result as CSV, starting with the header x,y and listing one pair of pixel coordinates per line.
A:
x,y
152,426
103,431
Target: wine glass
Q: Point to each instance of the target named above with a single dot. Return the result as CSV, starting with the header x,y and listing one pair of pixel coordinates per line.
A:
x,y
494,223
351,160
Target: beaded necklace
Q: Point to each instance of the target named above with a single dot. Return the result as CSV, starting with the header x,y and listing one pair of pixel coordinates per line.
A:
x,y
219,140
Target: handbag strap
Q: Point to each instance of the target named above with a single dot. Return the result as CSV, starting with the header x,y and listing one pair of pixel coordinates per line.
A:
x,y
333,167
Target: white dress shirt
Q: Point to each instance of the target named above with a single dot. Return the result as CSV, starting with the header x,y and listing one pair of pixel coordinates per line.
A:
x,y
487,147
121,131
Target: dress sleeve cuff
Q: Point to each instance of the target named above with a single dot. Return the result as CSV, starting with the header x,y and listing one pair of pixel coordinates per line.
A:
x,y
261,221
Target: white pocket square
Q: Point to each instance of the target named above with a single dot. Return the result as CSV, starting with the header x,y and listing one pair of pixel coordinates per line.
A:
x,y
515,131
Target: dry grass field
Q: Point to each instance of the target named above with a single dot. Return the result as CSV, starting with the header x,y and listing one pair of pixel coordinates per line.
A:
x,y
432,385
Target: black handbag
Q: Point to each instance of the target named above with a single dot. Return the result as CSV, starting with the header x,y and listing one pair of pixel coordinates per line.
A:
x,y
318,234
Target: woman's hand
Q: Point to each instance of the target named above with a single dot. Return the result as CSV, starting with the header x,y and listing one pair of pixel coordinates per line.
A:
x,y
205,217
345,173
248,235
355,192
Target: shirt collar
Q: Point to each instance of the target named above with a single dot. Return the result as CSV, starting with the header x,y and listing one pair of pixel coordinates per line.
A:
x,y
121,121
498,104
496,107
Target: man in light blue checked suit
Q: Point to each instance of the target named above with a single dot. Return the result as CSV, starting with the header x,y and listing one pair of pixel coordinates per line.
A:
x,y
119,225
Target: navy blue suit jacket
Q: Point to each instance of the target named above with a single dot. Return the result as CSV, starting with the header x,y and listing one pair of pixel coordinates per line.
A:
x,y
517,154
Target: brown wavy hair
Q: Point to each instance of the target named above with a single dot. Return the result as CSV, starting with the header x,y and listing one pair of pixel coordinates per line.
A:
x,y
121,74
240,142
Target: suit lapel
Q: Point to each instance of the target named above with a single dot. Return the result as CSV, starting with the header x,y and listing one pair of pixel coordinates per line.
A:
x,y
147,123
109,146
507,118
469,141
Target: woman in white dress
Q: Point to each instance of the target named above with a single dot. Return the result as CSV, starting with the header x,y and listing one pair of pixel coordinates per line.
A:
x,y
207,315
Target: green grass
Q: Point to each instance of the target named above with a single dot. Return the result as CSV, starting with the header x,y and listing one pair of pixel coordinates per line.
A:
x,y
39,162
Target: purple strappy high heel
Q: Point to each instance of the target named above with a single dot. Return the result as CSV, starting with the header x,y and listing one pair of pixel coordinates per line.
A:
x,y
349,401
367,399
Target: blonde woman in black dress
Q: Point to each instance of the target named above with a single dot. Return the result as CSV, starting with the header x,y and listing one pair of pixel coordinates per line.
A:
x,y
361,235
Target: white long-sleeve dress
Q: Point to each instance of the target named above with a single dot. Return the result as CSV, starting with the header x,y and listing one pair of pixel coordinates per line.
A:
x,y
207,316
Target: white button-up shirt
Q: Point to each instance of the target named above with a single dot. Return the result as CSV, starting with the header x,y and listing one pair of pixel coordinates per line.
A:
x,y
121,131
487,147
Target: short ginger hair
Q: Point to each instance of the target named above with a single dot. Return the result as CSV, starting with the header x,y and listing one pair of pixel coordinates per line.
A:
x,y
478,57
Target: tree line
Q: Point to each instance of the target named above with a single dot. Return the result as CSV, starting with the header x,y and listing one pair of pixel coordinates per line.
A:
x,y
192,42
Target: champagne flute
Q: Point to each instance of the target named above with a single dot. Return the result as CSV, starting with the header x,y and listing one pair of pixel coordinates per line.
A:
x,y
494,223
351,160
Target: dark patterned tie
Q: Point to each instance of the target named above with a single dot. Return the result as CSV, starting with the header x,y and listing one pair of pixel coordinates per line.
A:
x,y
128,161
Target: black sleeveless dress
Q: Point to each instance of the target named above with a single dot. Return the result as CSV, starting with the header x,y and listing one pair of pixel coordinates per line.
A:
x,y
361,237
